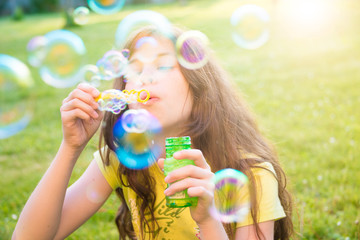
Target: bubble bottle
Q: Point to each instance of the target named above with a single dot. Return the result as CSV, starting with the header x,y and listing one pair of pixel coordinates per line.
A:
x,y
172,145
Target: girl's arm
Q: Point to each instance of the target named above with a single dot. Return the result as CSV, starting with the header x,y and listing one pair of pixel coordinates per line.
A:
x,y
54,212
44,213
249,232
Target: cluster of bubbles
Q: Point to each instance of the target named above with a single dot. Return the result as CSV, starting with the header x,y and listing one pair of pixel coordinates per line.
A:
x,y
133,134
59,55
231,196
250,26
15,105
114,100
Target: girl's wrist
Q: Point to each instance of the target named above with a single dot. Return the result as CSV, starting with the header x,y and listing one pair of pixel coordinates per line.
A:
x,y
72,152
212,229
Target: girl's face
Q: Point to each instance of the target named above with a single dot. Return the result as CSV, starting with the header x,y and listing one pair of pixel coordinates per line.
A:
x,y
154,67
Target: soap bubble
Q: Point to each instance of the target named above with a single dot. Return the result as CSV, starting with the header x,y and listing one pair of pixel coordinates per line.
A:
x,y
139,72
15,105
81,15
90,74
106,6
231,196
139,19
146,56
137,121
36,48
135,148
64,59
112,65
191,49
250,26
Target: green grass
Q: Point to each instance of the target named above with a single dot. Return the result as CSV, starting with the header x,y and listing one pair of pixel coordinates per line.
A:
x,y
303,85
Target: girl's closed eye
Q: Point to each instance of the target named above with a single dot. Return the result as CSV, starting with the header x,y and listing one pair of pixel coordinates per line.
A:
x,y
166,62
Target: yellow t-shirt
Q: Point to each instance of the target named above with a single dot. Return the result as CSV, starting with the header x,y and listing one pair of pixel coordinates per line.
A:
x,y
176,223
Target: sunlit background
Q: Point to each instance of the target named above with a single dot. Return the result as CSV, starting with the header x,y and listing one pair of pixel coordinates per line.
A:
x,y
296,63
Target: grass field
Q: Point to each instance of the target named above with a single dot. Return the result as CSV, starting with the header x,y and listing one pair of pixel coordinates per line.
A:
x,y
303,85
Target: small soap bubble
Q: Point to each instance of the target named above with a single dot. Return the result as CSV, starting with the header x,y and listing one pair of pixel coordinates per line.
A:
x,y
250,26
64,59
36,49
140,19
106,7
136,121
112,65
135,148
16,105
126,53
81,15
192,49
14,216
231,196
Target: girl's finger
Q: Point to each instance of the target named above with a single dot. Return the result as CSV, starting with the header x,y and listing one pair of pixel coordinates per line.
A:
x,y
193,154
75,114
83,96
89,89
161,163
188,183
188,171
78,104
200,192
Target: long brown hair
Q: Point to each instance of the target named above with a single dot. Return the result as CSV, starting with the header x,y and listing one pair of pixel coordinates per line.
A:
x,y
222,127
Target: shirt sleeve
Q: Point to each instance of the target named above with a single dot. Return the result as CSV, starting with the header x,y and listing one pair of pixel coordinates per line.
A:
x,y
267,196
109,171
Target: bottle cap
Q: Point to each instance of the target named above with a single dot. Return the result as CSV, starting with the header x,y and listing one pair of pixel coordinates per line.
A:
x,y
171,141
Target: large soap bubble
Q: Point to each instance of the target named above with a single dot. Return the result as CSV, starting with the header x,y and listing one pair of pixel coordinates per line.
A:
x,y
64,59
231,196
139,19
112,65
106,6
192,49
250,26
135,147
15,96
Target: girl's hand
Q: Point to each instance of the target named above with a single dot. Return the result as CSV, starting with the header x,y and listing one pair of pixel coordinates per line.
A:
x,y
80,116
196,179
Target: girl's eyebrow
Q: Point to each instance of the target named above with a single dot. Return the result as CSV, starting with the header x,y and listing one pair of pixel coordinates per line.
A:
x,y
158,55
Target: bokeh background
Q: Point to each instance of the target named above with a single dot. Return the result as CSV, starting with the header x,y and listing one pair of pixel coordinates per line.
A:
x,y
303,84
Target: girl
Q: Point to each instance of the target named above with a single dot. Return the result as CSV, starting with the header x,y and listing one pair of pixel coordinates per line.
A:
x,y
197,103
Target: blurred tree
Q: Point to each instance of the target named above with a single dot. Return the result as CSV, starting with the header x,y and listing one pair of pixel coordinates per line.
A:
x,y
45,5
69,14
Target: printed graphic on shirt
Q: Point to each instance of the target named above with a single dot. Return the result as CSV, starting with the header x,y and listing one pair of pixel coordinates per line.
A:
x,y
165,217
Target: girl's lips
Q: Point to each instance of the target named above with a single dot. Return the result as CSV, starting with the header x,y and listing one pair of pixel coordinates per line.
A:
x,y
151,101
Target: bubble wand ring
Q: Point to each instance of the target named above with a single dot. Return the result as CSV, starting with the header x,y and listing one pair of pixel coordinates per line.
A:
x,y
147,96
106,96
